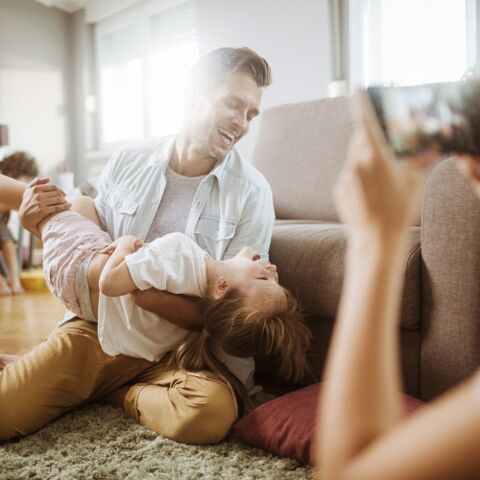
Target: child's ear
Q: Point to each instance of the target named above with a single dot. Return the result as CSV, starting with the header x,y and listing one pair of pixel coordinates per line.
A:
x,y
220,288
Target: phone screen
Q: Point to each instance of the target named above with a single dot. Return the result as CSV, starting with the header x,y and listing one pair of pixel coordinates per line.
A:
x,y
441,116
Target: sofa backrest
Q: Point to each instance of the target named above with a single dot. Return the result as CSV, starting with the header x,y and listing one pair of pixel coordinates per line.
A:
x,y
450,280
300,149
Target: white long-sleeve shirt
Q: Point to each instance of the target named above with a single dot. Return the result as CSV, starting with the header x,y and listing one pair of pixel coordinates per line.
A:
x,y
173,263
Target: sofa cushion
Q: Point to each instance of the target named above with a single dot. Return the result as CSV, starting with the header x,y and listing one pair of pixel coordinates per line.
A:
x,y
287,425
306,142
310,259
301,148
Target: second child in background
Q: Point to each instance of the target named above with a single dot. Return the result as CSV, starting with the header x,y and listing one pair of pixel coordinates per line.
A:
x,y
20,166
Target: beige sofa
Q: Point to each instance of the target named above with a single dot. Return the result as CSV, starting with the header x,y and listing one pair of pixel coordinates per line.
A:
x,y
300,149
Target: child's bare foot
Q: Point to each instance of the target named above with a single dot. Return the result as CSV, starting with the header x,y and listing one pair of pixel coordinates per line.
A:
x,y
4,288
6,359
16,286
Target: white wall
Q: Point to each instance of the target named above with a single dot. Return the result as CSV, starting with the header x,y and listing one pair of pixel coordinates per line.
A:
x,y
42,49
35,80
293,36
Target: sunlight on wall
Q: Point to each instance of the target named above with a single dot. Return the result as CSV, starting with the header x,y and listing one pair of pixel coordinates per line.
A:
x,y
122,96
167,87
144,61
34,104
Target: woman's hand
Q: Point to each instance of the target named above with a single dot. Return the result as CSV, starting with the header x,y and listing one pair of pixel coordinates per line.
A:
x,y
375,193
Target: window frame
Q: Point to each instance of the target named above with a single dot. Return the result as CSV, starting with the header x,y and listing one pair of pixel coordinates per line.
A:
x,y
359,48
137,15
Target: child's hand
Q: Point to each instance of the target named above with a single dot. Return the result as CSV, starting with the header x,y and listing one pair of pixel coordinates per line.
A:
x,y
130,243
109,249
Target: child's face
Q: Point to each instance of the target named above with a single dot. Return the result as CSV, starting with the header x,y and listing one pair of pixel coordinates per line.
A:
x,y
256,278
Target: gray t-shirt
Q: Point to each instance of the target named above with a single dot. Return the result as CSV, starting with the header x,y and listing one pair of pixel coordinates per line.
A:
x,y
175,206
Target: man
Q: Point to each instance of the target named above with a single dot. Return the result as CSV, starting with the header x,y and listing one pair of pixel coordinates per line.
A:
x,y
195,183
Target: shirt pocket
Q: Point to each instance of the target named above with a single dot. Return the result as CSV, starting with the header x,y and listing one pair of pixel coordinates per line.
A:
x,y
215,228
121,203
214,233
120,210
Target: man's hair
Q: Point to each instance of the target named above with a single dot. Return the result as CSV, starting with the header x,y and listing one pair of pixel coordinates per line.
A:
x,y
210,69
243,331
19,164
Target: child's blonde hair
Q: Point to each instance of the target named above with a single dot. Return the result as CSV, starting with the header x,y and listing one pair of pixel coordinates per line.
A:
x,y
243,331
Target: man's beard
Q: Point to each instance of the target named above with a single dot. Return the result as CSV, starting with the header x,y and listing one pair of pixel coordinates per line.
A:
x,y
206,144
216,153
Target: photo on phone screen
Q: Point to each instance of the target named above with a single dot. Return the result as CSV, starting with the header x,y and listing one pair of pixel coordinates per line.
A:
x,y
441,116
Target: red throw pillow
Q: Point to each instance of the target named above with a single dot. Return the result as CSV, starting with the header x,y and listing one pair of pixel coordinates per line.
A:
x,y
286,426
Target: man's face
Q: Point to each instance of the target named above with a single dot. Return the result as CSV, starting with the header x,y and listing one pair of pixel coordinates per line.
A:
x,y
221,117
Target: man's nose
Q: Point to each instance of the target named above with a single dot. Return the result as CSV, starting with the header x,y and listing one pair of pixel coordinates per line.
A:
x,y
241,122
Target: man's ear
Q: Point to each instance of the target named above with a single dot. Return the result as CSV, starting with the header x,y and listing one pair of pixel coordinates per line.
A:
x,y
220,288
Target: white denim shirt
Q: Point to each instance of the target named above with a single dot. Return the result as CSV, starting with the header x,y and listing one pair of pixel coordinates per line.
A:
x,y
232,208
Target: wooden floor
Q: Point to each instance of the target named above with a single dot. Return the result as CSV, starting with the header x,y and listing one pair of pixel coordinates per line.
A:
x,y
25,320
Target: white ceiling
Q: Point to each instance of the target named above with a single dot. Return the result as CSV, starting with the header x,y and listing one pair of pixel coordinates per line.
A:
x,y
95,10
67,5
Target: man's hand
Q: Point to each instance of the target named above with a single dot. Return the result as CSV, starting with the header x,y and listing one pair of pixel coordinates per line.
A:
x,y
180,310
40,199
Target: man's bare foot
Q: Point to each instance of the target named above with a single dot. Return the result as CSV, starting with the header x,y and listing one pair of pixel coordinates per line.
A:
x,y
6,359
4,288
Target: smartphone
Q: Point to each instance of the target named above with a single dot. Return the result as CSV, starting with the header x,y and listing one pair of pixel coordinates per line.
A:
x,y
444,117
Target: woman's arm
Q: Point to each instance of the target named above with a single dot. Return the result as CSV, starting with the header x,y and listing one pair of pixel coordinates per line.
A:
x,y
377,201
115,279
438,443
361,436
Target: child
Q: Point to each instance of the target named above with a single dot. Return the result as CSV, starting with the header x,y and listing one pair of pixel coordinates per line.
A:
x,y
21,166
245,309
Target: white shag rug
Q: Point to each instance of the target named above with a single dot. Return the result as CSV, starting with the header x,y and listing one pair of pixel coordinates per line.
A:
x,y
99,443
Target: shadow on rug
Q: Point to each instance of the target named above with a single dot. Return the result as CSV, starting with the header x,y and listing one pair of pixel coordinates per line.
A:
x,y
98,442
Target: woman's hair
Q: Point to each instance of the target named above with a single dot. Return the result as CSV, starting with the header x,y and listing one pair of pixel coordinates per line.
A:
x,y
243,331
19,164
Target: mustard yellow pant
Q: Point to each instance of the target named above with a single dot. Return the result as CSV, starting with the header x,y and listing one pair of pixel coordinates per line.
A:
x,y
70,369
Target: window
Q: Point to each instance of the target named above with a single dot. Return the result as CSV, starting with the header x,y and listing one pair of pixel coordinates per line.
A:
x,y
121,86
143,61
416,41
173,49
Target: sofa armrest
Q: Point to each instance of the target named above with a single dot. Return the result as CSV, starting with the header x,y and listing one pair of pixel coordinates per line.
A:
x,y
450,241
